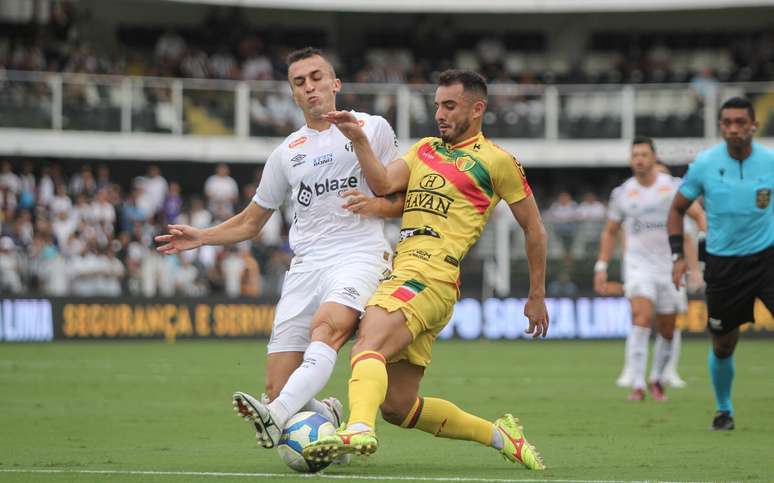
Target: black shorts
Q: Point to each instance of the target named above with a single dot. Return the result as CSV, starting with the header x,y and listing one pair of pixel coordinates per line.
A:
x,y
733,284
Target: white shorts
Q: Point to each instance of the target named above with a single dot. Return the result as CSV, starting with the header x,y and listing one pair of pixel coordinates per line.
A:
x,y
659,289
350,284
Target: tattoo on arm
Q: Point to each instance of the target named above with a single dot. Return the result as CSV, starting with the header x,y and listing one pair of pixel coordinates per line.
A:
x,y
392,197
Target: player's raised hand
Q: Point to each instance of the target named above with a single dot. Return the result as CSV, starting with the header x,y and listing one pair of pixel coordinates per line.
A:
x,y
347,123
180,238
535,311
360,203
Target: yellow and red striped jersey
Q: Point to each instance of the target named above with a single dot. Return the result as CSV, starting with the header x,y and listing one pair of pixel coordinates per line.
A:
x,y
451,193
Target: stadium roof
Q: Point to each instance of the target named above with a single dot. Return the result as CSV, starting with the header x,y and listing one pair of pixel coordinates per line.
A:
x,y
490,6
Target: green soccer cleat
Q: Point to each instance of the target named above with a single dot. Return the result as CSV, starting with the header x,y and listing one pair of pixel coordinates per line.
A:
x,y
342,442
515,446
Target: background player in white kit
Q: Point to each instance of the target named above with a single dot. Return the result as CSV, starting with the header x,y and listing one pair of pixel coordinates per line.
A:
x,y
339,255
640,205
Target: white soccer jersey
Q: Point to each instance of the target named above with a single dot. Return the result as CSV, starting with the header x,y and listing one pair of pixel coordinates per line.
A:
x,y
643,212
315,168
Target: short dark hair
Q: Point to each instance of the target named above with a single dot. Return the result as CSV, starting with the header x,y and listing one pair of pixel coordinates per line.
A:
x,y
305,53
644,140
471,81
738,103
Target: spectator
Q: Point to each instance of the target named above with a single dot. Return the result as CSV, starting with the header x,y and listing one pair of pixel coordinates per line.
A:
x,y
154,188
103,177
563,215
27,187
83,182
591,209
60,202
45,187
103,211
173,203
110,273
9,181
222,192
170,47
10,266
63,226
131,212
563,286
703,85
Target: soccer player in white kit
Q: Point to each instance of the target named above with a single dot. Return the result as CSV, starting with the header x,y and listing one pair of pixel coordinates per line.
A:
x,y
640,206
340,254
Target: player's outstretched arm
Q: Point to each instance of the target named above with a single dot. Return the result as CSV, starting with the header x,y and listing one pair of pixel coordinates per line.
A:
x,y
389,206
242,226
680,205
527,214
606,250
382,179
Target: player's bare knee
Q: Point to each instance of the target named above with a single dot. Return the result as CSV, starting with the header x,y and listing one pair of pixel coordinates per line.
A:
x,y
724,345
322,330
723,350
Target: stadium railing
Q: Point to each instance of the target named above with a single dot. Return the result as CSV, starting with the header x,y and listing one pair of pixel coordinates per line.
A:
x,y
241,109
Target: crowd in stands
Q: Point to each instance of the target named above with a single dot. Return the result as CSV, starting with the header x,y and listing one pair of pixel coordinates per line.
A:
x,y
87,233
226,47
84,235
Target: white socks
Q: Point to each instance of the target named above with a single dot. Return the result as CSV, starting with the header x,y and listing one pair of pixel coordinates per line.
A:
x,y
662,351
674,358
638,355
305,382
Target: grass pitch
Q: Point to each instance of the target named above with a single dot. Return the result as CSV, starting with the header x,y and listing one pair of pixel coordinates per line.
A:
x,y
149,411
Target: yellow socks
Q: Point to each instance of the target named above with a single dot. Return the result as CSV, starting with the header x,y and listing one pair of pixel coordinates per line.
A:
x,y
367,387
445,420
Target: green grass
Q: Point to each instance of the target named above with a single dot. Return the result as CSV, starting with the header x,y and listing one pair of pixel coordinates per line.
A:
x,y
157,407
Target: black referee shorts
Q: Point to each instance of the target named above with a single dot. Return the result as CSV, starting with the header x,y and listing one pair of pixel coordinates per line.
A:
x,y
733,283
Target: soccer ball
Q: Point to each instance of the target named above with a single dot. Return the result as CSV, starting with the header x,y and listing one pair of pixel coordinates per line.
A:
x,y
303,428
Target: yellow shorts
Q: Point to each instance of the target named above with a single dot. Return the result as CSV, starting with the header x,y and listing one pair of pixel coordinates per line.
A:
x,y
427,305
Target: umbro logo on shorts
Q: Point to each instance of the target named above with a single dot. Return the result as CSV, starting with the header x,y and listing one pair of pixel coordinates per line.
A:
x,y
716,324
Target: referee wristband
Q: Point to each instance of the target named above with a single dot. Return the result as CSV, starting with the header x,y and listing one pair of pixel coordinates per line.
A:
x,y
600,266
676,244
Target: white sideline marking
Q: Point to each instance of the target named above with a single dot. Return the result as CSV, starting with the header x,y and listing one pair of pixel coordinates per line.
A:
x,y
317,475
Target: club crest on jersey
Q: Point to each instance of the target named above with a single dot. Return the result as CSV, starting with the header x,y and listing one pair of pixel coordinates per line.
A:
x,y
465,163
762,198
432,181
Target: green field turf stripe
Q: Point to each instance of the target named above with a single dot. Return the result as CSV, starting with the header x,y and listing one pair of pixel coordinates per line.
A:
x,y
316,475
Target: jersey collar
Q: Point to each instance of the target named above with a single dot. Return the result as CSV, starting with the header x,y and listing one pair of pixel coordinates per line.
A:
x,y
477,138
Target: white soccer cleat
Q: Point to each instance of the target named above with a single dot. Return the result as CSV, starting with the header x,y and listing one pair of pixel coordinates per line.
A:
x,y
337,409
673,379
626,379
257,413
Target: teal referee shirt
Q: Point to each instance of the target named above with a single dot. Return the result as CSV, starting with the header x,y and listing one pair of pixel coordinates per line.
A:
x,y
737,199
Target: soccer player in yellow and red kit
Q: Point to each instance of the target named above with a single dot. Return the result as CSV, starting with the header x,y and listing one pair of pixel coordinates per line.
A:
x,y
452,184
